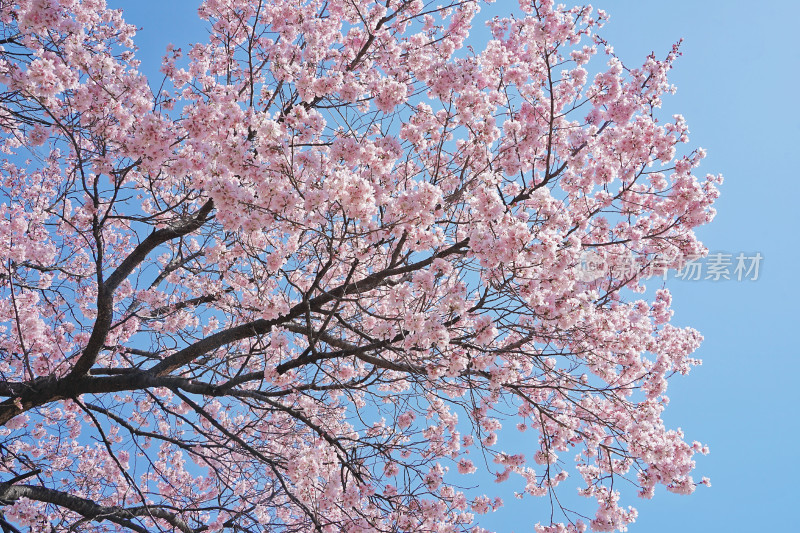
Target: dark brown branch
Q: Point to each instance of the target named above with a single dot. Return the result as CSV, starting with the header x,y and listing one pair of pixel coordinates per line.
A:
x,y
105,291
45,390
90,509
262,326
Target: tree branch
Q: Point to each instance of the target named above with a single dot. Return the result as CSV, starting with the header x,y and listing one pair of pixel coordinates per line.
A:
x,y
105,292
91,509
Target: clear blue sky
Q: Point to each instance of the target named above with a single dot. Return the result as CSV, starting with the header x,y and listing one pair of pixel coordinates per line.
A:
x,y
737,87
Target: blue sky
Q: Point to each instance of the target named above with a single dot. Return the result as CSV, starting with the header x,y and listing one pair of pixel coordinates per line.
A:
x,y
737,83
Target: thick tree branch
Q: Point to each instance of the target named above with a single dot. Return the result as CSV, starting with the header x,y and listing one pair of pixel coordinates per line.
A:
x,y
92,510
262,326
105,292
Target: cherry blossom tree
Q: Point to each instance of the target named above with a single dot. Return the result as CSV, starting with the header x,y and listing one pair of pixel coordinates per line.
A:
x,y
301,282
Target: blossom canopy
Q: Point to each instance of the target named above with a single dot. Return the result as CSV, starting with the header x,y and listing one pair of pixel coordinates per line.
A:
x,y
313,276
